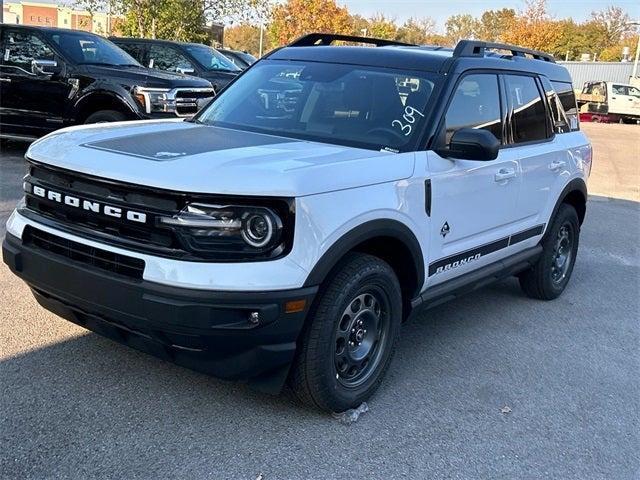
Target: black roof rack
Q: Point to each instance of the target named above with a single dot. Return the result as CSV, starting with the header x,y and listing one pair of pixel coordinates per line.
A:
x,y
476,48
312,39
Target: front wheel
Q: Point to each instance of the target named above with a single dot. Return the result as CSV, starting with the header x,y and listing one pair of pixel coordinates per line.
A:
x,y
351,335
550,275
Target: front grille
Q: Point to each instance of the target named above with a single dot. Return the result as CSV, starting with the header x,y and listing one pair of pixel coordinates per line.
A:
x,y
147,236
189,101
85,254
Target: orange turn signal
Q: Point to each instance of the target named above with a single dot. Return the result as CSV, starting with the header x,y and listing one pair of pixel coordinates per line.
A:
x,y
295,306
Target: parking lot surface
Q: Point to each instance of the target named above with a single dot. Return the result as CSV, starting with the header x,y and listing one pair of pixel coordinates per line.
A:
x,y
494,385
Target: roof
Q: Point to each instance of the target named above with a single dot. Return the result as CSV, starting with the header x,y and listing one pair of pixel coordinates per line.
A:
x,y
468,54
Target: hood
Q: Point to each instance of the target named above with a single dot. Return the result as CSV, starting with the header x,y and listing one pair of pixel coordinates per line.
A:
x,y
147,77
188,157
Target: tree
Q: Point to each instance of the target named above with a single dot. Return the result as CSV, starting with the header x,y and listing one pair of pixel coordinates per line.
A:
x,y
459,27
295,18
382,27
614,23
246,38
493,23
534,28
416,30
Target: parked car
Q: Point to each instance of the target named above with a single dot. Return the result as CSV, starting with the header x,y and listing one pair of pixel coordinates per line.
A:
x,y
52,78
277,237
190,58
242,60
610,102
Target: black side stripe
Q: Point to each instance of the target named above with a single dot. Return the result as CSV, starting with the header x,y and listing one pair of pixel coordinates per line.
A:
x,y
472,254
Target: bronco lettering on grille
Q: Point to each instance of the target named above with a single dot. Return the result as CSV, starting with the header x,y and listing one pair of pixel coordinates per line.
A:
x,y
90,206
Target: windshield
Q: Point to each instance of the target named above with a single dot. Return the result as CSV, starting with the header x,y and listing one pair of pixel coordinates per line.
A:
x,y
351,105
246,57
211,59
86,49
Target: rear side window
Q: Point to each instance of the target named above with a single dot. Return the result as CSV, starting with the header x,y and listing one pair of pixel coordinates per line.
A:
x,y
527,110
475,104
568,101
558,118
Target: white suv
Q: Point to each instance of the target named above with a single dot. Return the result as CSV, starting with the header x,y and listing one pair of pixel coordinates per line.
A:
x,y
288,229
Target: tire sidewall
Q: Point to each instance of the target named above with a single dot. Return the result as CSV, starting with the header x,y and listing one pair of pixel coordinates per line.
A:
x,y
341,397
566,214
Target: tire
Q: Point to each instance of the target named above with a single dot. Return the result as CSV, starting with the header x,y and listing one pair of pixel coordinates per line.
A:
x,y
103,116
550,275
362,292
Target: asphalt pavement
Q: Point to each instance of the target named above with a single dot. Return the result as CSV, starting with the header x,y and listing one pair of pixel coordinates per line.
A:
x,y
494,385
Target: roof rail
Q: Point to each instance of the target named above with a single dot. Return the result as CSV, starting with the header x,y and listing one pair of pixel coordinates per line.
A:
x,y
476,48
312,39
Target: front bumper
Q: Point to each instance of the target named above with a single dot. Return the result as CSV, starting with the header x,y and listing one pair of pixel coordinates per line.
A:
x,y
207,331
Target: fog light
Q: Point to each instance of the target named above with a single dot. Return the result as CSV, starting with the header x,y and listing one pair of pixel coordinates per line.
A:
x,y
254,318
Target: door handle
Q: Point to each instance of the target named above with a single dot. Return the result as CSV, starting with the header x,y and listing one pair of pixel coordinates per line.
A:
x,y
505,174
556,165
6,80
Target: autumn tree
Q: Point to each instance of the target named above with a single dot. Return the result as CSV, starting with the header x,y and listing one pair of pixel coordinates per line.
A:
x,y
380,26
245,37
533,28
295,18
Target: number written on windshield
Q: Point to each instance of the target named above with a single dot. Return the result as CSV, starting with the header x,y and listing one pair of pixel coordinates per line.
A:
x,y
410,118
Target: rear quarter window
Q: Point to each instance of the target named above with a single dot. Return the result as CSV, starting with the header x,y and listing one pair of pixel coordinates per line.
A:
x,y
568,101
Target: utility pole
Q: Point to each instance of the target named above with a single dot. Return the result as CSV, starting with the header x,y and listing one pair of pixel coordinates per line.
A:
x,y
635,62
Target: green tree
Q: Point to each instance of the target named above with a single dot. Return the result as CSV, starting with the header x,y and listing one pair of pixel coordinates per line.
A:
x,y
459,27
416,30
493,23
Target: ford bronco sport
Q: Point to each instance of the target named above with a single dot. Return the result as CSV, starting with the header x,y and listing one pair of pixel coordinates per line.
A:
x,y
287,230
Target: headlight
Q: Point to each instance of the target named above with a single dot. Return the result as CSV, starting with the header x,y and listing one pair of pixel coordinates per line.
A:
x,y
229,231
155,99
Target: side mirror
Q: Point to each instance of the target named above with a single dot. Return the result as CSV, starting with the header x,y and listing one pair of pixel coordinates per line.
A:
x,y
44,67
472,144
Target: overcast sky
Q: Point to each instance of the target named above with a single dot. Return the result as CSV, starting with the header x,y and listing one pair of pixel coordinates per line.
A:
x,y
440,10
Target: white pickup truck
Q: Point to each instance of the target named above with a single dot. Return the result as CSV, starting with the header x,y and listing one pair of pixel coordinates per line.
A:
x,y
610,100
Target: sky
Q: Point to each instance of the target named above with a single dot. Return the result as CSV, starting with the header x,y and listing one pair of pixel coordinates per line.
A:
x,y
440,10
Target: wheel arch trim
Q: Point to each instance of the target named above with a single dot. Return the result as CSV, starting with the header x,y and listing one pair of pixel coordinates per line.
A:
x,y
361,233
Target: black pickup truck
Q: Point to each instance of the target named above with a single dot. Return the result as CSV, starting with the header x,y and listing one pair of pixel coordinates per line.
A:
x,y
52,78
181,57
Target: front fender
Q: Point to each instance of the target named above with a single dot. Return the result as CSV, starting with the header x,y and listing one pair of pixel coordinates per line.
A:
x,y
117,93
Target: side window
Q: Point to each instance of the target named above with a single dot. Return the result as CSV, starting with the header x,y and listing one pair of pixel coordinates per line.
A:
x,y
618,89
168,58
568,101
21,48
527,111
475,104
558,121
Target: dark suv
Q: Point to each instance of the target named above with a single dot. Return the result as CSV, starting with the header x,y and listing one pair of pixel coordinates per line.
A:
x,y
51,78
178,57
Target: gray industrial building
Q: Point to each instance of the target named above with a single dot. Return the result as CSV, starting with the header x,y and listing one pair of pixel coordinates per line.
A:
x,y
582,72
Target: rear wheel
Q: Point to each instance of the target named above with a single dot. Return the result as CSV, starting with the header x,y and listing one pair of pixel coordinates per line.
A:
x,y
550,275
351,335
104,116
